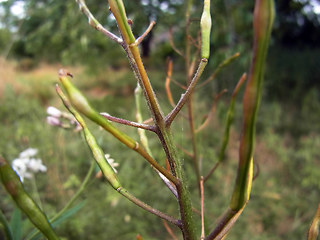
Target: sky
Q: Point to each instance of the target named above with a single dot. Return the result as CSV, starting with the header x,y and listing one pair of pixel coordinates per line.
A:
x,y
18,8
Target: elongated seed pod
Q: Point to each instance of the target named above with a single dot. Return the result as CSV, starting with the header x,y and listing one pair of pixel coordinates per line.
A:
x,y
76,97
98,155
97,152
205,25
14,187
263,21
81,104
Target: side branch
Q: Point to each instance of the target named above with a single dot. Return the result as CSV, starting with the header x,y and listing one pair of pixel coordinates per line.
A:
x,y
172,43
105,167
224,225
148,208
93,22
229,120
225,63
168,80
212,110
184,98
83,106
140,39
128,123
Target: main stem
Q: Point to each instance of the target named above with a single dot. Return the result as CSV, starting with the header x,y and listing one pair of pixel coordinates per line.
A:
x,y
146,86
162,130
188,226
165,136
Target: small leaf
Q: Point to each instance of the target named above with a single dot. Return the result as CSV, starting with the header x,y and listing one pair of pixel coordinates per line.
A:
x,y
69,213
4,226
16,224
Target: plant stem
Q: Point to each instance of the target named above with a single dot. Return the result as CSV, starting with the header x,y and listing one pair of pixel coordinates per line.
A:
x,y
140,39
14,187
225,63
93,22
224,225
35,191
128,123
202,208
144,139
82,105
229,120
184,98
188,226
262,24
146,207
189,99
146,86
163,129
105,167
195,159
211,112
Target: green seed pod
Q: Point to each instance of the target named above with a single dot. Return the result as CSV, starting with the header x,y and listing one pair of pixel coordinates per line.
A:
x,y
97,152
263,21
76,97
14,187
81,104
205,30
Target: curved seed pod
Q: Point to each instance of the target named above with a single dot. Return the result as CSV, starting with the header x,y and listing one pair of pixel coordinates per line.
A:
x,y
81,104
205,25
99,156
119,12
263,21
97,152
14,187
76,97
106,168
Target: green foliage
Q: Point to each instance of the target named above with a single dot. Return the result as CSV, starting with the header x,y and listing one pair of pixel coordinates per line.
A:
x,y
287,160
286,173
16,224
5,38
296,73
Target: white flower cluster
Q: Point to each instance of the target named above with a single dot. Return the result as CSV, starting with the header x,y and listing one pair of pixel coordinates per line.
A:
x,y
112,163
61,119
26,165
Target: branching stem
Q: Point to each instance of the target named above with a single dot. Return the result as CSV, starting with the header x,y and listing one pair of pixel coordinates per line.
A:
x,y
105,167
140,39
184,98
148,208
128,123
93,22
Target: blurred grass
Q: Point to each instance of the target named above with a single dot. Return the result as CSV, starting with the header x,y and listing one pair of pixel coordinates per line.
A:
x,y
285,194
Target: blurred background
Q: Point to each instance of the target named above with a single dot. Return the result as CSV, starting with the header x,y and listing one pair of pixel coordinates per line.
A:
x,y
39,37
